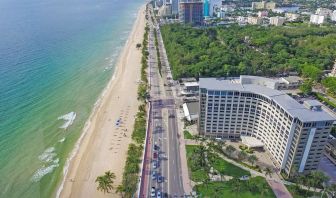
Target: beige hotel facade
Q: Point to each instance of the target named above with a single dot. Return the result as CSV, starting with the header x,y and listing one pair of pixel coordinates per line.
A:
x,y
295,134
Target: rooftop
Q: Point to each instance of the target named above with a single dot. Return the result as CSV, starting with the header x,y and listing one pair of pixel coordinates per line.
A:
x,y
191,84
290,105
292,79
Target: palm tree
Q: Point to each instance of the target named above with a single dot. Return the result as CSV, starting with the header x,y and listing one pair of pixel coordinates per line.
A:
x,y
206,182
263,189
268,172
120,189
309,183
318,178
236,185
242,155
230,150
252,159
331,190
105,182
216,192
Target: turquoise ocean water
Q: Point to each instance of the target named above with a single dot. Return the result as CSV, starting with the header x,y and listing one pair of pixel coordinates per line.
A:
x,y
56,56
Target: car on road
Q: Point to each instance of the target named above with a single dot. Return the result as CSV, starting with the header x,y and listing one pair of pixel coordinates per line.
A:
x,y
159,178
158,194
155,155
156,147
154,175
155,164
171,115
153,192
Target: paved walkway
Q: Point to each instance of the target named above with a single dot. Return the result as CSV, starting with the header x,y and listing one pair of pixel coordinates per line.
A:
x,y
279,189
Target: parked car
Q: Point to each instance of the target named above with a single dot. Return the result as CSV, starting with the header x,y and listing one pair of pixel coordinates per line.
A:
x,y
159,178
156,147
155,164
155,155
158,194
153,192
154,175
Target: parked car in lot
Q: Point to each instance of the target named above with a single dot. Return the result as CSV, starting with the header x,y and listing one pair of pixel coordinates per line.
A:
x,y
154,175
153,192
156,147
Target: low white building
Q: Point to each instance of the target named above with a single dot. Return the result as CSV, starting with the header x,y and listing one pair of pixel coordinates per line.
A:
x,y
323,12
333,16
254,20
190,111
292,16
277,21
292,82
317,19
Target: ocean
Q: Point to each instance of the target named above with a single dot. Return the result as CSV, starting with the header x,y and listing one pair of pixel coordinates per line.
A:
x,y
56,57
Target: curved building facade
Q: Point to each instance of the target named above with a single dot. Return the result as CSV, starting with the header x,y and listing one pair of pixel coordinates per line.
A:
x,y
293,133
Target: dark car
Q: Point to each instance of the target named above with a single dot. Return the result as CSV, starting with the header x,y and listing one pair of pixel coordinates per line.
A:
x,y
156,147
160,178
155,155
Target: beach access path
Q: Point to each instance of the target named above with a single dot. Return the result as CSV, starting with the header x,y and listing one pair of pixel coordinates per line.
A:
x,y
104,146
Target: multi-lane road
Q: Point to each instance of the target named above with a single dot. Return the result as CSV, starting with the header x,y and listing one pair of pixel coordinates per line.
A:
x,y
162,176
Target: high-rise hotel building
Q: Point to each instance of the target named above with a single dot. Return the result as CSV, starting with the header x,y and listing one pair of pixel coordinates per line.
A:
x,y
295,134
191,11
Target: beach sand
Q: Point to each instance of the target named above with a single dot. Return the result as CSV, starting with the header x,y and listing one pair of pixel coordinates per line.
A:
x,y
104,145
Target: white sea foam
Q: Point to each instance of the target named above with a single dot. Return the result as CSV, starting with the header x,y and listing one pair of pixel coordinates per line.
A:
x,y
68,118
50,162
44,170
79,141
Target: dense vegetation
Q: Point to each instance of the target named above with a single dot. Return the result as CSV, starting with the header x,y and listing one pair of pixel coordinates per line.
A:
x,y
330,84
254,50
256,187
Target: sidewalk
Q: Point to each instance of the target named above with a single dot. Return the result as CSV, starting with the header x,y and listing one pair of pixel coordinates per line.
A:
x,y
279,189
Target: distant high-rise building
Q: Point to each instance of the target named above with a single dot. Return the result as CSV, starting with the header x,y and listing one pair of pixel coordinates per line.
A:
x,y
175,7
206,8
263,5
191,11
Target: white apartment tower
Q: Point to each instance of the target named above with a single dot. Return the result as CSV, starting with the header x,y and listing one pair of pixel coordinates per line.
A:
x,y
294,134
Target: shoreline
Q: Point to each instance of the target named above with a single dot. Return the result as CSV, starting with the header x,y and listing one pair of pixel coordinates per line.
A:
x,y
88,160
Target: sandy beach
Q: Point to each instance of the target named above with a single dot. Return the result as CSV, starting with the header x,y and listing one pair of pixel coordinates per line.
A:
x,y
104,145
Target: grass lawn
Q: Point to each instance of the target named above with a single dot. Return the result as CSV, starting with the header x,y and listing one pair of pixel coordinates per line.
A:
x,y
247,189
225,167
301,193
197,175
187,135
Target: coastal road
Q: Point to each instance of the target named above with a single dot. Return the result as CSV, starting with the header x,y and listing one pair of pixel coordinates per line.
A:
x,y
163,131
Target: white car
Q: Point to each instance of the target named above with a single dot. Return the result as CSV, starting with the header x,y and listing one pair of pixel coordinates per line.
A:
x,y
153,192
158,194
